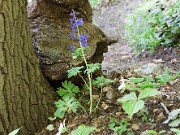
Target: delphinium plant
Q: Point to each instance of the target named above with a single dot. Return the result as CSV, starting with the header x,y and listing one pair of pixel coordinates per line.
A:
x,y
68,102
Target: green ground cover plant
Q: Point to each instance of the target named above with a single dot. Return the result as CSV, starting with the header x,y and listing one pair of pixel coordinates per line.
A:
x,y
143,88
154,23
119,126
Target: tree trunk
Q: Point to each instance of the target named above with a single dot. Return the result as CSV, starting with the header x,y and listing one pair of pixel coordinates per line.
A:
x,y
26,99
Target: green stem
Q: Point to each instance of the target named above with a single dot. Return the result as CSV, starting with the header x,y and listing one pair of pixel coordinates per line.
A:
x,y
89,76
84,81
83,109
98,100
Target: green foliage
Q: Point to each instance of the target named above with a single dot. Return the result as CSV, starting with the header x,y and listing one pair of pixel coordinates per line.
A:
x,y
153,132
144,115
146,87
166,77
148,92
154,23
74,71
77,54
177,131
101,81
92,68
67,104
68,89
93,2
119,126
83,130
132,107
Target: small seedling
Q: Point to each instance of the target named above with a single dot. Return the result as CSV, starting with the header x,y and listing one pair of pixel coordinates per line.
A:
x,y
119,126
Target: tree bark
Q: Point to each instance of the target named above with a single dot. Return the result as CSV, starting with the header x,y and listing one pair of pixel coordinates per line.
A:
x,y
26,99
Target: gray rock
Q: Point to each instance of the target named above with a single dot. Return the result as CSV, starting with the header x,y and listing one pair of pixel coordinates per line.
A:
x,y
110,95
147,69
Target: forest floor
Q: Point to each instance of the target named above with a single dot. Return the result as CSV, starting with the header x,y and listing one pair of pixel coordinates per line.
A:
x,y
121,61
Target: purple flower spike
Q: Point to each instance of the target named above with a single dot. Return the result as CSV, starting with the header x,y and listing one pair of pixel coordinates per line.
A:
x,y
72,47
75,22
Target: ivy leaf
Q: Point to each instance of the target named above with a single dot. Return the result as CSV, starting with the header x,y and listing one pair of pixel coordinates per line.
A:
x,y
102,81
132,107
83,130
128,97
68,88
148,92
74,71
67,104
92,68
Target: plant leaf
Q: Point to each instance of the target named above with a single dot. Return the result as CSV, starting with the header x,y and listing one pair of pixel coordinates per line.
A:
x,y
172,115
152,132
148,92
15,131
83,130
51,118
132,107
128,97
67,104
101,81
68,88
144,85
174,123
74,71
175,130
136,80
50,127
92,68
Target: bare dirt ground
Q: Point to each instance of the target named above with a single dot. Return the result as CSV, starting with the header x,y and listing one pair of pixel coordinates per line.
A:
x,y
111,19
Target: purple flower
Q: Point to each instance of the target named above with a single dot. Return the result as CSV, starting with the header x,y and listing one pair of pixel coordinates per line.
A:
x,y
72,36
83,39
71,21
75,22
72,47
79,22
